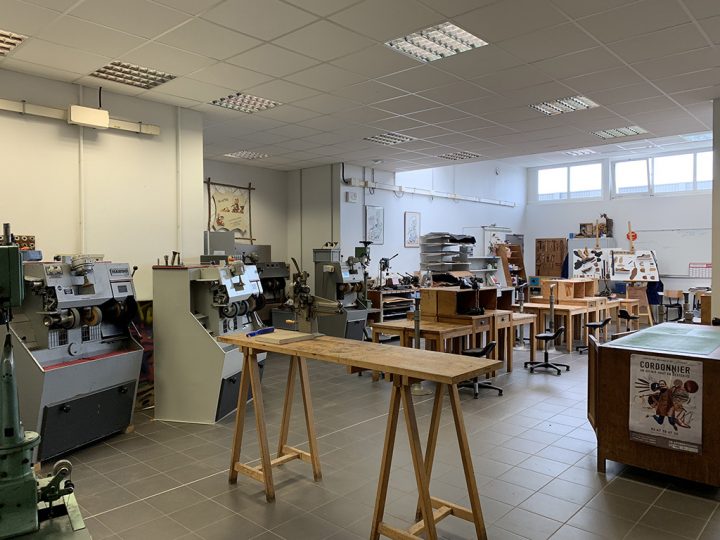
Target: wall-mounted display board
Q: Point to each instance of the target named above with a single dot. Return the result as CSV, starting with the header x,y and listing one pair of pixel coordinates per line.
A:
x,y
615,264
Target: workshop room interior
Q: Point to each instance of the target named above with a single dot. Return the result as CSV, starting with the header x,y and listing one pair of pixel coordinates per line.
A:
x,y
350,269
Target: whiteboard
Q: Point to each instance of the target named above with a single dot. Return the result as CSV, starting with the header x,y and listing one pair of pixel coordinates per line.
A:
x,y
675,249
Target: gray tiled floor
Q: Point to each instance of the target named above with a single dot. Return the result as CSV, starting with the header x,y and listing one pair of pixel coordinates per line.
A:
x,y
533,454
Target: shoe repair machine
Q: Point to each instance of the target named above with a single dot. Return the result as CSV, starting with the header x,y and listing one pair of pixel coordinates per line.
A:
x,y
30,507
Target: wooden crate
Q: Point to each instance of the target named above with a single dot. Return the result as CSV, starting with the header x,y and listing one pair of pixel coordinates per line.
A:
x,y
456,301
549,256
428,301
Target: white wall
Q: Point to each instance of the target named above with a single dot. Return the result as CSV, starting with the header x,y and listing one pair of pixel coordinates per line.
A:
x,y
131,197
268,199
437,214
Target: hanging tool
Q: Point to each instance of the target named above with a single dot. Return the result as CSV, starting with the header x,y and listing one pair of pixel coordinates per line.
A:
x,y
174,258
167,260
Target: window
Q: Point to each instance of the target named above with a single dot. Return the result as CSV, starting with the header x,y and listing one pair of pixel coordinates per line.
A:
x,y
664,174
574,182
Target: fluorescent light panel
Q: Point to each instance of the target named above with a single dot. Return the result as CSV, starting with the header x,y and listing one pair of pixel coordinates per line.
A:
x,y
245,103
615,133
580,152
436,42
564,105
132,75
456,156
247,154
389,139
8,41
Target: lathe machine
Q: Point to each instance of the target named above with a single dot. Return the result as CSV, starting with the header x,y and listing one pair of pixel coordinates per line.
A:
x,y
197,378
76,363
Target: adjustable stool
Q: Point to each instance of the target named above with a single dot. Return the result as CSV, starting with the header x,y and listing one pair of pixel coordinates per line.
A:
x,y
475,383
547,337
625,315
593,326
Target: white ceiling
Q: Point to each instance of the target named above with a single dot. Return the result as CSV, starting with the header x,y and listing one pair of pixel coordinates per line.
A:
x,y
653,63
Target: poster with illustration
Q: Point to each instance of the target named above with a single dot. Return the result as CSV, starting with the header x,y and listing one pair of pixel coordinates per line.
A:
x,y
374,224
412,229
230,210
640,265
666,402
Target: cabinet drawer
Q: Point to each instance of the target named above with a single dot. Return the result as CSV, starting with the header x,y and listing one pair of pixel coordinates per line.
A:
x,y
503,319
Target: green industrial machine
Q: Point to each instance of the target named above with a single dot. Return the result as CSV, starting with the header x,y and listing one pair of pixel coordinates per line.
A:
x,y
29,507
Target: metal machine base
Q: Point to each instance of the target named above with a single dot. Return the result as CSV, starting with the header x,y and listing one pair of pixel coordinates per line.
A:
x,y
59,521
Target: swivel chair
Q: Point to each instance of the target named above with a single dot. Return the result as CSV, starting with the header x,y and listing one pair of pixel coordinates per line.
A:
x,y
476,384
547,337
593,326
625,315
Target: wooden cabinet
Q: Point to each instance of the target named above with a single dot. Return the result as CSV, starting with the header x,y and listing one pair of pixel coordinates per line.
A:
x,y
549,256
513,263
393,304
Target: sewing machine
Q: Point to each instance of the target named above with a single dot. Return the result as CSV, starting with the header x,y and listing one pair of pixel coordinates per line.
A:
x,y
196,377
76,363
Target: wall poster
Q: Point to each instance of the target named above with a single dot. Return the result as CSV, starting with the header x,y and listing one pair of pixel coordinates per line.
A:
x,y
229,209
374,224
666,402
412,229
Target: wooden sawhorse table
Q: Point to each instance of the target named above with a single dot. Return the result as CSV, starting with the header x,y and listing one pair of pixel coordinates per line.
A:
x,y
407,367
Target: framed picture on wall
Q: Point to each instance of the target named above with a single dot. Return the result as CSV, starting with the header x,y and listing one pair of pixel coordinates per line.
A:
x,y
412,229
375,224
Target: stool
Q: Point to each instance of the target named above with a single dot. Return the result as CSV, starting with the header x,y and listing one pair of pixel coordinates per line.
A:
x,y
547,337
625,315
593,326
476,384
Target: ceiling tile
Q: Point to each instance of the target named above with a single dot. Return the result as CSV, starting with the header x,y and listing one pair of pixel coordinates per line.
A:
x,y
455,93
711,27
451,139
56,5
603,80
235,77
324,40
323,7
548,42
453,8
635,19
668,66
326,103
419,78
384,20
624,94
484,105
89,37
169,99
643,105
406,104
242,125
323,123
166,58
263,19
696,96
208,39
583,8
368,92
137,17
193,89
193,7
39,70
540,92
438,114
59,57
578,63
110,86
513,114
702,9
478,62
364,115
375,61
23,18
425,132
294,131
272,60
466,124
510,18
396,123
282,91
298,144
491,131
512,79
689,81
287,113
674,40
325,77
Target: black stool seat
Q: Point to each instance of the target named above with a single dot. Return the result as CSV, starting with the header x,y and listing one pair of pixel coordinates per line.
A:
x,y
476,384
547,337
593,326
625,315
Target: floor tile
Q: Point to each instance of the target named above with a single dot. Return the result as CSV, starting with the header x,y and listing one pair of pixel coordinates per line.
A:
x,y
233,527
602,524
528,524
673,522
550,507
306,526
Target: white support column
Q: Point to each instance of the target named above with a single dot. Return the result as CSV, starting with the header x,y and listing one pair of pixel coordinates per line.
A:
x,y
716,211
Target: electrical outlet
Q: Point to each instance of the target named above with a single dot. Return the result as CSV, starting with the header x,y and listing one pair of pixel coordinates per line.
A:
x,y
351,197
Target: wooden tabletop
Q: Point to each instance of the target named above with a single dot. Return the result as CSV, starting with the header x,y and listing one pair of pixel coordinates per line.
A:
x,y
523,317
416,363
570,308
425,326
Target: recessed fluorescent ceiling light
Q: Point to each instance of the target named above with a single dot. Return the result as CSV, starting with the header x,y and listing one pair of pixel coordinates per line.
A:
x,y
245,103
698,137
132,75
8,41
455,156
247,154
564,105
619,132
388,139
580,152
436,42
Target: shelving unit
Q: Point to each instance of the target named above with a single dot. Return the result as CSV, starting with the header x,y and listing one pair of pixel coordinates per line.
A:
x,y
513,263
393,304
440,253
490,276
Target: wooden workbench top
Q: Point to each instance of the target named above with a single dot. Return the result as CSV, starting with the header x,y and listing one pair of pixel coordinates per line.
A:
x,y
425,326
571,308
416,363
673,338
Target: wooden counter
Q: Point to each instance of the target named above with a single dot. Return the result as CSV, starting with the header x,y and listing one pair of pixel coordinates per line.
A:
x,y
609,401
406,366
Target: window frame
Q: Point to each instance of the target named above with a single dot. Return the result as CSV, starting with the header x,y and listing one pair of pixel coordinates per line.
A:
x,y
568,194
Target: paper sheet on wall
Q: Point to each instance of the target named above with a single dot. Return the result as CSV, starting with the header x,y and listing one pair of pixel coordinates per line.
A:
x,y
639,266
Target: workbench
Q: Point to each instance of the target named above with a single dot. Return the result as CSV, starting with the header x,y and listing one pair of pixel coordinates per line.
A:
x,y
521,319
405,367
568,311
438,336
609,401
